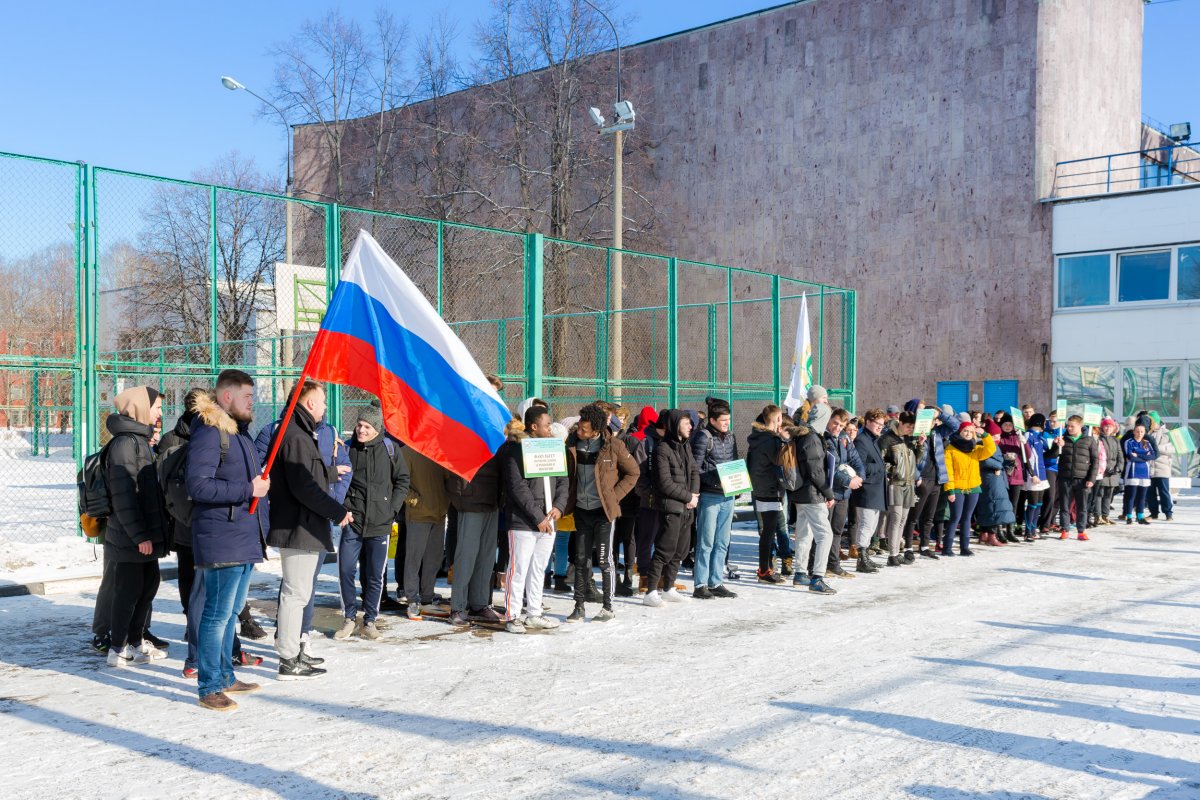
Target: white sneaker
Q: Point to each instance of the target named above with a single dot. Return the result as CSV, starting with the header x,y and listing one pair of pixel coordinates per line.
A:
x,y
514,626
346,631
653,599
121,657
541,623
151,652
674,596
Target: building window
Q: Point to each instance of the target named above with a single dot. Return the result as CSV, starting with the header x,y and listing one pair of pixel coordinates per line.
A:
x,y
1152,388
1083,281
1083,385
1154,174
1189,274
1144,276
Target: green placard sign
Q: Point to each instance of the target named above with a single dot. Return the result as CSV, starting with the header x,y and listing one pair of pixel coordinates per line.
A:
x,y
735,479
924,424
1092,415
544,458
1060,411
1018,419
1181,440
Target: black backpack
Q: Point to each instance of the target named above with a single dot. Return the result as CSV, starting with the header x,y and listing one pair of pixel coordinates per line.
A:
x,y
92,485
172,477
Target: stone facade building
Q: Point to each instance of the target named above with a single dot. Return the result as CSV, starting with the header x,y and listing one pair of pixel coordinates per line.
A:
x,y
898,148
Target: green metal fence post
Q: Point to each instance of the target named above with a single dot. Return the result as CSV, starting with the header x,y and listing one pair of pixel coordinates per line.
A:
x,y
672,333
535,304
80,295
821,340
333,272
91,394
213,355
712,343
441,287
775,345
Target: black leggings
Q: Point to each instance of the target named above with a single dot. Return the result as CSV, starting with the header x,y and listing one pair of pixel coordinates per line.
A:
x,y
133,594
768,524
920,516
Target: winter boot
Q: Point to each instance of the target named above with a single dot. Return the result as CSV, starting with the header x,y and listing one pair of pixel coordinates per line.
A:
x,y
560,584
1009,536
909,557
893,561
625,587
578,614
853,552
786,571
865,564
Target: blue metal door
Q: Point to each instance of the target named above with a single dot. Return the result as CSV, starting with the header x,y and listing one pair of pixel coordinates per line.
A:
x,y
955,393
999,396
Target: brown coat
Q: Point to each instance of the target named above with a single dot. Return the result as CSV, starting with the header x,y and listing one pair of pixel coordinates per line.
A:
x,y
616,474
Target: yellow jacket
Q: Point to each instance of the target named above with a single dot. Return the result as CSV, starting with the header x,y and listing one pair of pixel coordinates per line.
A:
x,y
963,468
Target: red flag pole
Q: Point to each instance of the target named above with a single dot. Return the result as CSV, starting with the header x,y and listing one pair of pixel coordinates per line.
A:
x,y
283,423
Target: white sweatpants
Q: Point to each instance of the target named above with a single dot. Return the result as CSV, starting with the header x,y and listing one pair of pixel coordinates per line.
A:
x,y
528,554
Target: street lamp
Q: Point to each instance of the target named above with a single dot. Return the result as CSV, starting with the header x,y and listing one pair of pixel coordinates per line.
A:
x,y
233,85
623,111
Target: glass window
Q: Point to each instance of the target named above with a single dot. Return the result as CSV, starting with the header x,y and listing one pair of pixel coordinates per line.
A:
x,y
1151,388
1079,386
1194,392
1189,273
1083,281
1144,276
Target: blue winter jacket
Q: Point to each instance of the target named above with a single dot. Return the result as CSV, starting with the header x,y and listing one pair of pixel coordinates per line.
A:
x,y
1048,436
223,530
994,507
843,452
326,437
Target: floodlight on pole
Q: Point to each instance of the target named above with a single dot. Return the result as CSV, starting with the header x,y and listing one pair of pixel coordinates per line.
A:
x,y
624,121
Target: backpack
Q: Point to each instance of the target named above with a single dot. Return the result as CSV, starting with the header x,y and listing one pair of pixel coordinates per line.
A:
x,y
172,477
94,500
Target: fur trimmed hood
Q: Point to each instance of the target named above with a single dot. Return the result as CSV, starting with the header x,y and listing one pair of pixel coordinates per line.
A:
x,y
213,415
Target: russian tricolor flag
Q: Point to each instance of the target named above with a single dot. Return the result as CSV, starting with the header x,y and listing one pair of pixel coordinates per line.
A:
x,y
381,335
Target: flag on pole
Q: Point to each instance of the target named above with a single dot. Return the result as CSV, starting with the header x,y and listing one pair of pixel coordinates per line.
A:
x,y
381,335
802,376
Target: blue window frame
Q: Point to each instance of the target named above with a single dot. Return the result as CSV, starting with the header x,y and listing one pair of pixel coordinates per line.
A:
x,y
1083,281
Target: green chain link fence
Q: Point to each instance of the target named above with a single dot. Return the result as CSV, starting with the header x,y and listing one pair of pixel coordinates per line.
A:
x,y
110,279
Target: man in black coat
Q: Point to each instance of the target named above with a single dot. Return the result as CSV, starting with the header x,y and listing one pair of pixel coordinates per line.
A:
x,y
378,488
675,494
1078,465
301,510
136,534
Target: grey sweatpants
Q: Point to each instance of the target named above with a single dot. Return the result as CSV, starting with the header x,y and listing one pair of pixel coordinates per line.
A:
x,y
422,556
812,530
893,526
474,559
295,589
868,523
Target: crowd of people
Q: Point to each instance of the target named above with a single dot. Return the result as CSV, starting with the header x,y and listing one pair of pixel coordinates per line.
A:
x,y
644,495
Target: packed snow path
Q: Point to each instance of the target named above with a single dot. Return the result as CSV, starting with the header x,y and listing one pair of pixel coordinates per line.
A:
x,y
1053,670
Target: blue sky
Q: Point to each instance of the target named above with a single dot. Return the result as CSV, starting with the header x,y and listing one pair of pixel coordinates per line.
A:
x,y
135,84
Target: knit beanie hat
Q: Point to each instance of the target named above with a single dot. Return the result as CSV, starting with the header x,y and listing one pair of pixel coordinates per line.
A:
x,y
1036,421
967,424
911,405
964,417
372,414
992,428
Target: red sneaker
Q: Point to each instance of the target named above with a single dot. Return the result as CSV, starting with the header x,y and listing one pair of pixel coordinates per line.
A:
x,y
244,659
1064,535
1083,537
189,672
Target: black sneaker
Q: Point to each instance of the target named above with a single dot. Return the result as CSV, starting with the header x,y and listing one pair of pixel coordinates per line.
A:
x,y
101,644
732,574
252,630
721,591
548,582
625,588
688,563
293,669
312,661
702,593
391,605
909,557
578,614
893,561
561,586
927,553
161,644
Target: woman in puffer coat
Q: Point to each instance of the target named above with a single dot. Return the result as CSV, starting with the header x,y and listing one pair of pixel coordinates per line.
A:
x,y
994,513
1114,466
1015,452
962,463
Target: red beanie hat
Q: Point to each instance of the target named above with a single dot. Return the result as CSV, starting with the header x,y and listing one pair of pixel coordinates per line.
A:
x,y
963,426
992,428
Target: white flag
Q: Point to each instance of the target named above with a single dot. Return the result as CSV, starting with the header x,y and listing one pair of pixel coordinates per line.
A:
x,y
802,363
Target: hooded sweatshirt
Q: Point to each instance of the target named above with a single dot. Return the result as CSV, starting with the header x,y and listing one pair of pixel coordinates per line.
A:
x,y
675,475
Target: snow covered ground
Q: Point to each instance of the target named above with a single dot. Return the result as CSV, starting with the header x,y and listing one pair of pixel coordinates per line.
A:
x,y
1055,670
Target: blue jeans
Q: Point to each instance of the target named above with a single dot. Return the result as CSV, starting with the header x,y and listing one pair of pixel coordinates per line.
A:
x,y
224,595
366,555
714,522
196,601
961,511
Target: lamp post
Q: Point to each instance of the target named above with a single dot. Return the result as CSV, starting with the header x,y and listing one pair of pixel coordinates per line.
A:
x,y
287,344
623,110
233,85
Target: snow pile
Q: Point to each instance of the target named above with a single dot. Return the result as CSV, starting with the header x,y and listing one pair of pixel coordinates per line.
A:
x,y
64,557
1061,669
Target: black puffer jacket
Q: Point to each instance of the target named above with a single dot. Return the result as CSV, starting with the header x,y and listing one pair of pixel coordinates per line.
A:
x,y
810,464
481,494
301,506
138,514
762,453
181,434
676,478
525,498
710,448
378,485
1080,459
